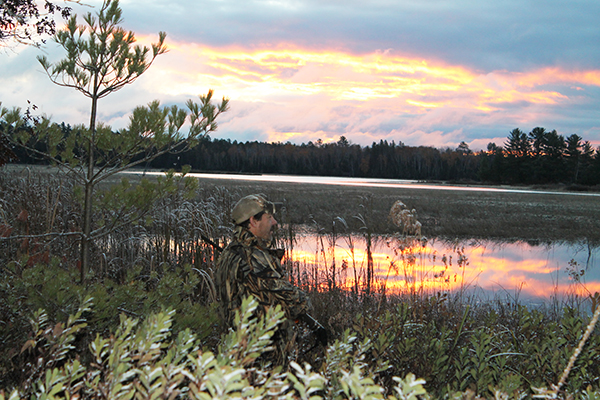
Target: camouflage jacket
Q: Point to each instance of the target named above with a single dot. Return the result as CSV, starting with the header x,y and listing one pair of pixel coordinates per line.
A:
x,y
247,266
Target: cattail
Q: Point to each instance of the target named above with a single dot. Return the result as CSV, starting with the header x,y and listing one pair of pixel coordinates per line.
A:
x,y
405,219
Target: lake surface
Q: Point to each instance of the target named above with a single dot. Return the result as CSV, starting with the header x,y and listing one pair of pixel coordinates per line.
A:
x,y
365,182
521,271
518,271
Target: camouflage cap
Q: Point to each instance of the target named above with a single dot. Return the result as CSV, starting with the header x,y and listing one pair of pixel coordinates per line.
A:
x,y
249,206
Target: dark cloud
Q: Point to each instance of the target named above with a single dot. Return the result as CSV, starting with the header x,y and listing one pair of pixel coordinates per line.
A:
x,y
485,35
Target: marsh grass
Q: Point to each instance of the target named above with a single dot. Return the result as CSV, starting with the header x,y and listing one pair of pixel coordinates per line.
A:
x,y
454,340
448,214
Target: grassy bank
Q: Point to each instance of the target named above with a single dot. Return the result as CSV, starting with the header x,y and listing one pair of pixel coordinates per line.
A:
x,y
538,216
448,214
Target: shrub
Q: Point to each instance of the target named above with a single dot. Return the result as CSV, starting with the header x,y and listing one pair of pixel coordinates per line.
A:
x,y
141,359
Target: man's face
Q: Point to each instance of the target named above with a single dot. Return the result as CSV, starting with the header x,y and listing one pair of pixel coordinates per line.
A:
x,y
263,227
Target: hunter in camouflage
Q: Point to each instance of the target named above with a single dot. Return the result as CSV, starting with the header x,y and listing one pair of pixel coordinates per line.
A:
x,y
250,266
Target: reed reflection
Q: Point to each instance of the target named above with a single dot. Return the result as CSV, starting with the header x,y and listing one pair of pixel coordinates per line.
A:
x,y
407,265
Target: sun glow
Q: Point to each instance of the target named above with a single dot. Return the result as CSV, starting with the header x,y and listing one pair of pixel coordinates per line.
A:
x,y
413,84
290,93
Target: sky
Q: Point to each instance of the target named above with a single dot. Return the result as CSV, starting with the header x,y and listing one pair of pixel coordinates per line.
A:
x,y
420,72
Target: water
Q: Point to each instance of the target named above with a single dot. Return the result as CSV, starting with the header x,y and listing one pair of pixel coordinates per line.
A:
x,y
363,182
522,271
519,270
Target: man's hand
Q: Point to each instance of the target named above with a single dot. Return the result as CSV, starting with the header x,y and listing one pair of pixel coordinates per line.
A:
x,y
321,334
317,329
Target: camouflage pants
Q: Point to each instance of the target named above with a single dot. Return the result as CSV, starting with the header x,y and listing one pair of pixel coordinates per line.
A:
x,y
285,347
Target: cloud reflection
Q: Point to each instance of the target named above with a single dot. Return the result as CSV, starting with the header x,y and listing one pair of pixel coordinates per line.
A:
x,y
509,269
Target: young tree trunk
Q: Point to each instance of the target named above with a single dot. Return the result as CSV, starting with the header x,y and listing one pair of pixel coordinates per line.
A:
x,y
102,59
89,192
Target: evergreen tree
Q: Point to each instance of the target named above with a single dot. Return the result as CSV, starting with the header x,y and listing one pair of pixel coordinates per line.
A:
x,y
553,166
102,59
6,153
587,176
491,164
538,139
517,150
573,154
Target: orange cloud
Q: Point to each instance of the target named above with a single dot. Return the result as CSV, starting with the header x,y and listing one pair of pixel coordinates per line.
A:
x,y
414,84
296,94
555,75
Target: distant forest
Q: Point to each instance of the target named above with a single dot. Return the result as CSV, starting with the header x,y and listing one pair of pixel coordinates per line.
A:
x,y
537,157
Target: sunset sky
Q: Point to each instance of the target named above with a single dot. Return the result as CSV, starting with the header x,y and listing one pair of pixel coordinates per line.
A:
x,y
421,72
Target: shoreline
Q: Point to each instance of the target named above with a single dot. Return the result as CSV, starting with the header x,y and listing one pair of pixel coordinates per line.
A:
x,y
510,215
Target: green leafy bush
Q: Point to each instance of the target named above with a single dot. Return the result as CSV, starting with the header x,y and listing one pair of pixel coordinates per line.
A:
x,y
142,360
145,359
56,290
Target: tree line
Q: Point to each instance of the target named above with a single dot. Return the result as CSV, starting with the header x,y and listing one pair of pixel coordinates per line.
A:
x,y
539,157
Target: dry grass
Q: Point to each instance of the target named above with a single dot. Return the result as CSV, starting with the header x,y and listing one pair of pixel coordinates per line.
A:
x,y
534,217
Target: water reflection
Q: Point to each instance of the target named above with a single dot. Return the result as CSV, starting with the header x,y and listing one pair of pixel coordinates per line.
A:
x,y
517,270
360,182
514,269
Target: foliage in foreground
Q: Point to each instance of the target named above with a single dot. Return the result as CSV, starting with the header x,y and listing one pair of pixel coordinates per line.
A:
x,y
509,347
142,360
145,359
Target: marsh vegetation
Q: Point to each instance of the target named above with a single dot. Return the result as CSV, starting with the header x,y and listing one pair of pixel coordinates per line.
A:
x,y
456,343
543,214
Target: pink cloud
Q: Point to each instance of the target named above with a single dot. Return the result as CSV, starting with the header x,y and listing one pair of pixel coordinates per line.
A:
x,y
286,93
